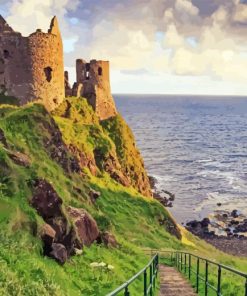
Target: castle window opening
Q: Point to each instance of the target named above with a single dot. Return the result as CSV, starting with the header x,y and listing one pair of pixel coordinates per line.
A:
x,y
6,54
100,71
48,73
87,70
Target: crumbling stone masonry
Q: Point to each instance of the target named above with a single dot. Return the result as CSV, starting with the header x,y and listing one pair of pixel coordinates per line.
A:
x,y
93,83
31,68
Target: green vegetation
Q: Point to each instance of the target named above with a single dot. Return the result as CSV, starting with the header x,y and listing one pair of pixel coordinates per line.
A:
x,y
132,218
9,100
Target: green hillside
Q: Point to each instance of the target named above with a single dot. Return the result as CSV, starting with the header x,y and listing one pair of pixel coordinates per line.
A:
x,y
74,154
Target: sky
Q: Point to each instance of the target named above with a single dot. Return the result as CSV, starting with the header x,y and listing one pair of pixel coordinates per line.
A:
x,y
154,46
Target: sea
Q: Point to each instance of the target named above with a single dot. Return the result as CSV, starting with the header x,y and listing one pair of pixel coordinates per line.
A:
x,y
196,148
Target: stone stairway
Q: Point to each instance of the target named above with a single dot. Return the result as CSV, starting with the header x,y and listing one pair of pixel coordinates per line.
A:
x,y
172,283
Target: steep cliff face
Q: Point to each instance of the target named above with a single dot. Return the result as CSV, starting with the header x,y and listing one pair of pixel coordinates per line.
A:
x,y
132,165
59,198
102,146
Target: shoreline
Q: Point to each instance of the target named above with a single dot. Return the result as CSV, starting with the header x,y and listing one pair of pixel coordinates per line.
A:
x,y
226,231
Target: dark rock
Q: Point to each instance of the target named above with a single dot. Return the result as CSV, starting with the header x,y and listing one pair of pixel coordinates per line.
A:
x,y
235,213
94,195
153,181
219,204
171,195
108,239
205,222
86,227
193,223
59,253
224,215
48,234
45,200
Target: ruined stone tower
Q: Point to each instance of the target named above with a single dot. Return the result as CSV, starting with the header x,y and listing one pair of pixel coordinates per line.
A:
x,y
31,68
93,83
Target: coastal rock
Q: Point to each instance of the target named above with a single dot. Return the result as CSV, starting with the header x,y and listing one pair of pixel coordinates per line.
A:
x,y
225,230
235,213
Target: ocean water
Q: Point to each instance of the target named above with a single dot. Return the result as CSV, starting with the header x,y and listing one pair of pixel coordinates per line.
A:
x,y
196,147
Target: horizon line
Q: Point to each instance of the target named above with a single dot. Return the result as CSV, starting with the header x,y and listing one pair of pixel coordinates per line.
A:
x,y
186,94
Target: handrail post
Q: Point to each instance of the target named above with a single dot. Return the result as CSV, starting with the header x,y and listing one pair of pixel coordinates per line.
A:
x,y
181,266
185,262
219,281
189,266
197,275
246,286
206,279
153,276
145,282
151,280
126,291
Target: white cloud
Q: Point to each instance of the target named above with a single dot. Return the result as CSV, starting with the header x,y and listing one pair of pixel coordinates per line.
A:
x,y
190,42
185,6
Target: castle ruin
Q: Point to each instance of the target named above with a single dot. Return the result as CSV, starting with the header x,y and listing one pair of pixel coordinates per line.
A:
x,y
93,83
32,69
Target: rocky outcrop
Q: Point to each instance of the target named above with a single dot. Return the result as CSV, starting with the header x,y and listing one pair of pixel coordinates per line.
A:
x,y
60,238
57,149
46,201
84,159
66,230
86,227
132,171
110,164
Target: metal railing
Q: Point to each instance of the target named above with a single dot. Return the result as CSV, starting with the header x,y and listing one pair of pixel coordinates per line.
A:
x,y
149,273
197,269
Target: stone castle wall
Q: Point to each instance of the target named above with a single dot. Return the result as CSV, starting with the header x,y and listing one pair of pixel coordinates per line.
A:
x,y
93,83
31,68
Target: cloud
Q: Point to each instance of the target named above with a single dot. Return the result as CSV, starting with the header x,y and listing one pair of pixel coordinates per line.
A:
x,y
26,16
162,37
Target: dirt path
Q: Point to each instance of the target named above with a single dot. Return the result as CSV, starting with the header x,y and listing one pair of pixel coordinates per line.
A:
x,y
172,283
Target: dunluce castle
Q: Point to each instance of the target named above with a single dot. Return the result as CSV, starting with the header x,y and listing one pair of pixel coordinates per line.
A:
x,y
32,69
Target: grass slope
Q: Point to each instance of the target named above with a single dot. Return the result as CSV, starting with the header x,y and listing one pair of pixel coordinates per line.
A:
x,y
132,218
